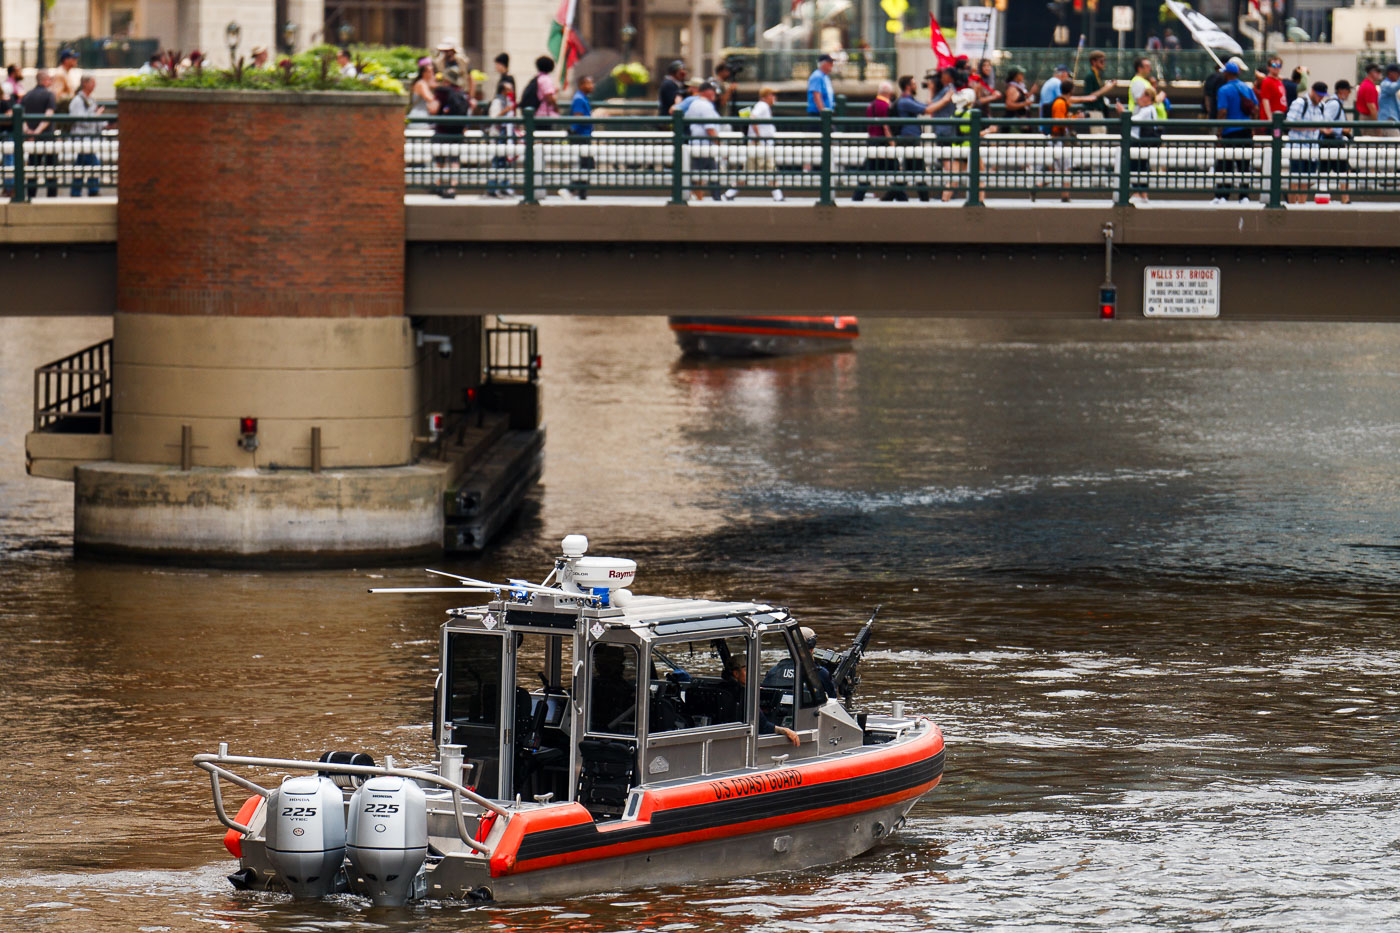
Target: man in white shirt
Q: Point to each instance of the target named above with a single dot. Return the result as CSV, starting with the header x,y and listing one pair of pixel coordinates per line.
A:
x,y
702,134
761,135
1302,149
347,64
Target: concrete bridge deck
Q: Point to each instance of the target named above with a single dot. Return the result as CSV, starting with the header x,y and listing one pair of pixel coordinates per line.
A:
x,y
624,255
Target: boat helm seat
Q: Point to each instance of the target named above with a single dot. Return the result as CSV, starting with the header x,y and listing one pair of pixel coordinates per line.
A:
x,y
609,768
706,702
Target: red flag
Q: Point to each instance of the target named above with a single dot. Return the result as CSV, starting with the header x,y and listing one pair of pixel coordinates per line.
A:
x,y
939,44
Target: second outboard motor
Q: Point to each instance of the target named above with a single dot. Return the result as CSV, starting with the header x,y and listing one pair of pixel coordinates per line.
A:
x,y
387,839
306,834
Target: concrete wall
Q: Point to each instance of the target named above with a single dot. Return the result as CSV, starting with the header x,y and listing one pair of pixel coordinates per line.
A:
x,y
520,28
353,378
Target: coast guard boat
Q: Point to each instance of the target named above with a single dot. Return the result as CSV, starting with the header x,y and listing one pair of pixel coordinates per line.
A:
x,y
587,740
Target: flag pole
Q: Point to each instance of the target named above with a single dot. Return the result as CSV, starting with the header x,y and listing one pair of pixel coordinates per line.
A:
x,y
1074,72
564,45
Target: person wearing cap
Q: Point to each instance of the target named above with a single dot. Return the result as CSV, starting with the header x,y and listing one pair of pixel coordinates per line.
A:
x,y
1095,87
724,80
67,79
1388,107
762,135
452,67
692,91
258,56
1050,90
820,94
1303,148
672,88
964,102
1272,98
736,681
1233,165
701,109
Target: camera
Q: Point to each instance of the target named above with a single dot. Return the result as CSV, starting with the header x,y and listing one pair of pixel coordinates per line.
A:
x,y
736,67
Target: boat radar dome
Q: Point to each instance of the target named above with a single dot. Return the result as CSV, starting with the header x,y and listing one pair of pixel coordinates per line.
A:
x,y
594,576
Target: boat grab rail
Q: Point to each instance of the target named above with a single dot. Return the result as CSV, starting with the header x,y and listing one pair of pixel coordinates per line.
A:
x,y
215,765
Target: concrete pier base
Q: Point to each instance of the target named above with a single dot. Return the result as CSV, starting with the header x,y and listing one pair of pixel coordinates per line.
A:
x,y
243,516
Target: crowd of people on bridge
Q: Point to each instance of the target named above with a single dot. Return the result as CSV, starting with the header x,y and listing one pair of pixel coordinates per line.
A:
x,y
954,99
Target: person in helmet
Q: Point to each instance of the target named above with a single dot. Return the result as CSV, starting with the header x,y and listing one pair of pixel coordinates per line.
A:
x,y
783,673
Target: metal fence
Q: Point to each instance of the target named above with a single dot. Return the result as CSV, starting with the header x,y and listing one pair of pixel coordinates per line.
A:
x,y
928,159
58,152
73,395
530,158
512,352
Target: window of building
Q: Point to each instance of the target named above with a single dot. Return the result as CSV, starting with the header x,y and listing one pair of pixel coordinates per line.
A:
x,y
473,43
378,22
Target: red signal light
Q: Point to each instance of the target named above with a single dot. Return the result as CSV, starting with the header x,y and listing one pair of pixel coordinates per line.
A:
x,y
247,425
1108,303
248,434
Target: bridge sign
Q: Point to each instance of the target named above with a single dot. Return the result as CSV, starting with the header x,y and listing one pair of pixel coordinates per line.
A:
x,y
1181,291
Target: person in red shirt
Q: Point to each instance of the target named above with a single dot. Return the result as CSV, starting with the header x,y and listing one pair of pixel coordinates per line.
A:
x,y
1270,90
1368,95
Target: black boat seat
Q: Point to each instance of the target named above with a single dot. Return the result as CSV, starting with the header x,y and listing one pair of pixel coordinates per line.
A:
x,y
708,702
609,769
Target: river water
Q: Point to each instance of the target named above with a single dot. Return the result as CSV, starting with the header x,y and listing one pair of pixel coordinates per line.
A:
x,y
1144,576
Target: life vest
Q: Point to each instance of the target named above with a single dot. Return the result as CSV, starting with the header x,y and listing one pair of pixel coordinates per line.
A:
x,y
964,127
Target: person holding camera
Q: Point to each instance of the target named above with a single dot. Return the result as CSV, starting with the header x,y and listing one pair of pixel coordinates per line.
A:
x,y
726,74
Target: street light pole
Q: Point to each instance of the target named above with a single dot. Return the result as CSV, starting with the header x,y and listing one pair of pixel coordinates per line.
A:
x,y
43,9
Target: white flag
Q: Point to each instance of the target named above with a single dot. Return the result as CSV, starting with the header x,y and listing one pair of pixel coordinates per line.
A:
x,y
1203,30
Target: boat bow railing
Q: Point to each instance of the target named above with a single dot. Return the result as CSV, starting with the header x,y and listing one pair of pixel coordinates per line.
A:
x,y
218,766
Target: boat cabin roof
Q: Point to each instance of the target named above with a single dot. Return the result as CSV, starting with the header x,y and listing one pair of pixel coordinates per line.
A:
x,y
646,616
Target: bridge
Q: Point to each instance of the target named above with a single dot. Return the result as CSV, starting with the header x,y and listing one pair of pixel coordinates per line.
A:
x,y
614,219
285,340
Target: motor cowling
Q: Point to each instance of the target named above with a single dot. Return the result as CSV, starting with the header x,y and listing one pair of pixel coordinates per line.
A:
x,y
306,834
387,838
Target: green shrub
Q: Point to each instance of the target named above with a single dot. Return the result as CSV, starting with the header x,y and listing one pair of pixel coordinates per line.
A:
x,y
310,71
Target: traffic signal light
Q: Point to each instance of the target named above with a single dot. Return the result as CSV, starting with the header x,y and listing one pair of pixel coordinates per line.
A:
x,y
1108,302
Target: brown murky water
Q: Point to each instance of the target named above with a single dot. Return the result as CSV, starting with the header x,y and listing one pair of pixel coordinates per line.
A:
x,y
1145,578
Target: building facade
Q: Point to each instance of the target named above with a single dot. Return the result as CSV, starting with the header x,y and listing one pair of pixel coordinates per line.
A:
x,y
111,32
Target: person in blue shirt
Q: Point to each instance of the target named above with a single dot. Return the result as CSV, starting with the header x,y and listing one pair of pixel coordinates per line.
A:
x,y
1050,90
820,95
581,133
1233,161
582,107
1388,108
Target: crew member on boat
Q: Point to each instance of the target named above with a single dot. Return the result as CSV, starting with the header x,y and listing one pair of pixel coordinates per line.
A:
x,y
736,678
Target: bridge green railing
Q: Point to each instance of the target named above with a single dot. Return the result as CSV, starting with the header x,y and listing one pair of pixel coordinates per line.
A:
x,y
833,158
530,158
61,151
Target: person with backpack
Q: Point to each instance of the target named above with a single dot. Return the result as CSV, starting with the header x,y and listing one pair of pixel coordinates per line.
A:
x,y
1233,157
541,93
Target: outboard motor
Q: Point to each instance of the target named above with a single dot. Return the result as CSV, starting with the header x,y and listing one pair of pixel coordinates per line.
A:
x,y
387,840
306,834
